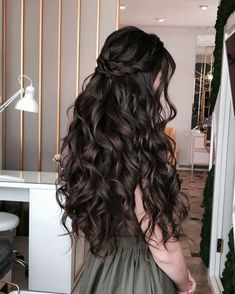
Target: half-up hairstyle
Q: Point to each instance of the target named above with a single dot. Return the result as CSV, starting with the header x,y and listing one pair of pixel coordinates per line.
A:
x,y
116,140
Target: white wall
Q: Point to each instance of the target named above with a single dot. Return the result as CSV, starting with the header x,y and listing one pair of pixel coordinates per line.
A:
x,y
181,43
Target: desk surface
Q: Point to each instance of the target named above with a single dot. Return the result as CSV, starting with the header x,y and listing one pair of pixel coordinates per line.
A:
x,y
27,177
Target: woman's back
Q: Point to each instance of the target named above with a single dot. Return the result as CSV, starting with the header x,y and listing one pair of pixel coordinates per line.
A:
x,y
116,143
131,270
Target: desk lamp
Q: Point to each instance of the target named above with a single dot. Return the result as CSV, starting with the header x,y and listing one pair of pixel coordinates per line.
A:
x,y
27,103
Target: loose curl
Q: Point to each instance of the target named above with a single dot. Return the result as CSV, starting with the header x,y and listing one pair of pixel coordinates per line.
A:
x,y
116,140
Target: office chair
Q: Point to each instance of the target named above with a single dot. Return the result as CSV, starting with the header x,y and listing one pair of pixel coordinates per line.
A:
x,y
8,224
5,262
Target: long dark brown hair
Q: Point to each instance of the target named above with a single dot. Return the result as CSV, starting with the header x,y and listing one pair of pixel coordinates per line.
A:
x,y
116,139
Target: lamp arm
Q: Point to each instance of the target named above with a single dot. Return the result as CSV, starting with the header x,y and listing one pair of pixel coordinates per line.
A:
x,y
10,100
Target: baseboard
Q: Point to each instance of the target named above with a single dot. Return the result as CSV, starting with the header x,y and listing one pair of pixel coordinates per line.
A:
x,y
216,285
188,167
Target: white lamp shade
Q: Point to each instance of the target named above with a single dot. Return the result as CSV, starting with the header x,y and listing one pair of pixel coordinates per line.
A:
x,y
27,103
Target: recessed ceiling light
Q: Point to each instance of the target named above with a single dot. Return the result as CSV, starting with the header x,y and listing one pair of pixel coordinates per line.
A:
x,y
122,7
160,19
203,7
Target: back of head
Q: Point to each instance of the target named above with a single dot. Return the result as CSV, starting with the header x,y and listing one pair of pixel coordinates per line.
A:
x,y
116,140
128,51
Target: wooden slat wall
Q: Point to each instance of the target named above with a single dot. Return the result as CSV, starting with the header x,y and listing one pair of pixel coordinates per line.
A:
x,y
55,43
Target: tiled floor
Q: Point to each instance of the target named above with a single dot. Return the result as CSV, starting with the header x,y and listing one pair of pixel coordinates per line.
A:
x,y
193,185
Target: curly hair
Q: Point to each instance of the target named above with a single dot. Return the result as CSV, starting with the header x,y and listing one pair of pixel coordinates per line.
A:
x,y
116,140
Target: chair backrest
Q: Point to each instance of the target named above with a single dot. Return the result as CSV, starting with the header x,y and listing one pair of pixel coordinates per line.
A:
x,y
5,260
8,221
170,131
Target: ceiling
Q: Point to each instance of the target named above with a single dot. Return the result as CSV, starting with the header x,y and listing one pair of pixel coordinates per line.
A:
x,y
175,12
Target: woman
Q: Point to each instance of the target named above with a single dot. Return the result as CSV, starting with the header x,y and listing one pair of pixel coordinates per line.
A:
x,y
119,184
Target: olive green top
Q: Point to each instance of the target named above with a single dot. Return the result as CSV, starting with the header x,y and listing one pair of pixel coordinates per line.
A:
x,y
127,272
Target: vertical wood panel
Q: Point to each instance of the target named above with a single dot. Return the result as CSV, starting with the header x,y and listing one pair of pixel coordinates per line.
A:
x,y
97,28
31,69
49,82
40,85
1,29
2,77
3,57
68,59
88,39
117,14
108,20
78,46
12,85
58,102
22,15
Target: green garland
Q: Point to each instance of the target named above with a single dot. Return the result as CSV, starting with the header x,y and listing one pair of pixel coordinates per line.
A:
x,y
225,9
206,220
228,276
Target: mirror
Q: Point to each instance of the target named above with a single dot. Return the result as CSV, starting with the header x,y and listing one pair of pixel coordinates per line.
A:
x,y
201,112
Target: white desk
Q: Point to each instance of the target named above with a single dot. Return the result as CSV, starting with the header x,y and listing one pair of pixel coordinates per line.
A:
x,y
53,265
